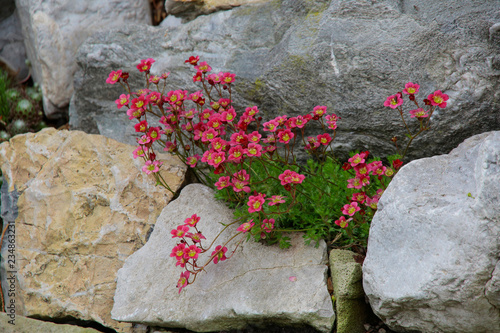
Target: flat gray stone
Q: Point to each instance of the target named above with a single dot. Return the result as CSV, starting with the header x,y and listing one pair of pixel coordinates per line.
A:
x,y
252,287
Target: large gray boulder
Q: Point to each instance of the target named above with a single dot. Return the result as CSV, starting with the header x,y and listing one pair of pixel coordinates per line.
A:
x,y
260,285
54,29
290,56
433,252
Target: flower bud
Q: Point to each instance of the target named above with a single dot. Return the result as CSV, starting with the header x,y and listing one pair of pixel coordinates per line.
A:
x,y
187,147
152,156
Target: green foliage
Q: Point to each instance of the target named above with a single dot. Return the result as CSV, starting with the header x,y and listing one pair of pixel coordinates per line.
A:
x,y
318,201
20,108
4,97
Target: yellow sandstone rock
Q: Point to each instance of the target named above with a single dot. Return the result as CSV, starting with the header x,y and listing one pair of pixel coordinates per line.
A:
x,y
84,207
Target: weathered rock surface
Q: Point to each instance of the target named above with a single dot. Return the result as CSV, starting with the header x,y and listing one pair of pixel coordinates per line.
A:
x,y
189,10
251,288
84,206
433,252
350,305
27,325
12,51
53,31
292,55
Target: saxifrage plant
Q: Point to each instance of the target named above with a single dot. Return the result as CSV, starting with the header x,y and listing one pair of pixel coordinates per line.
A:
x,y
253,166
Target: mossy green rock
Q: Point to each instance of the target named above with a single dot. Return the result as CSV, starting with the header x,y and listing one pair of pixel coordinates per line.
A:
x,y
28,325
350,304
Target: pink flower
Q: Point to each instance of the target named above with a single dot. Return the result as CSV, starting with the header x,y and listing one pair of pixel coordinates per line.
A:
x,y
438,99
285,136
215,78
300,121
203,67
223,182
240,185
268,225
170,146
251,111
151,167
139,102
411,88
192,221
393,101
253,150
154,79
239,138
229,115
181,262
219,144
154,133
183,281
361,170
193,60
240,180
332,117
143,140
139,152
219,254
372,202
195,237
246,226
242,175
419,113
235,154
292,278
356,159
342,222
123,100
228,78
114,77
290,176
145,65
319,111
180,231
276,200
209,135
197,77
271,126
178,251
354,183
134,113
193,160
154,97
215,121
281,120
191,252
324,139
350,209
254,137
218,157
359,197
255,203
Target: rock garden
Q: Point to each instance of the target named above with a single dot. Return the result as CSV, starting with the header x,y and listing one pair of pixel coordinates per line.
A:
x,y
250,166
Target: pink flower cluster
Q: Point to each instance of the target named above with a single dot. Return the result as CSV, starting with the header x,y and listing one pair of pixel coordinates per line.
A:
x,y
187,250
435,99
363,173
